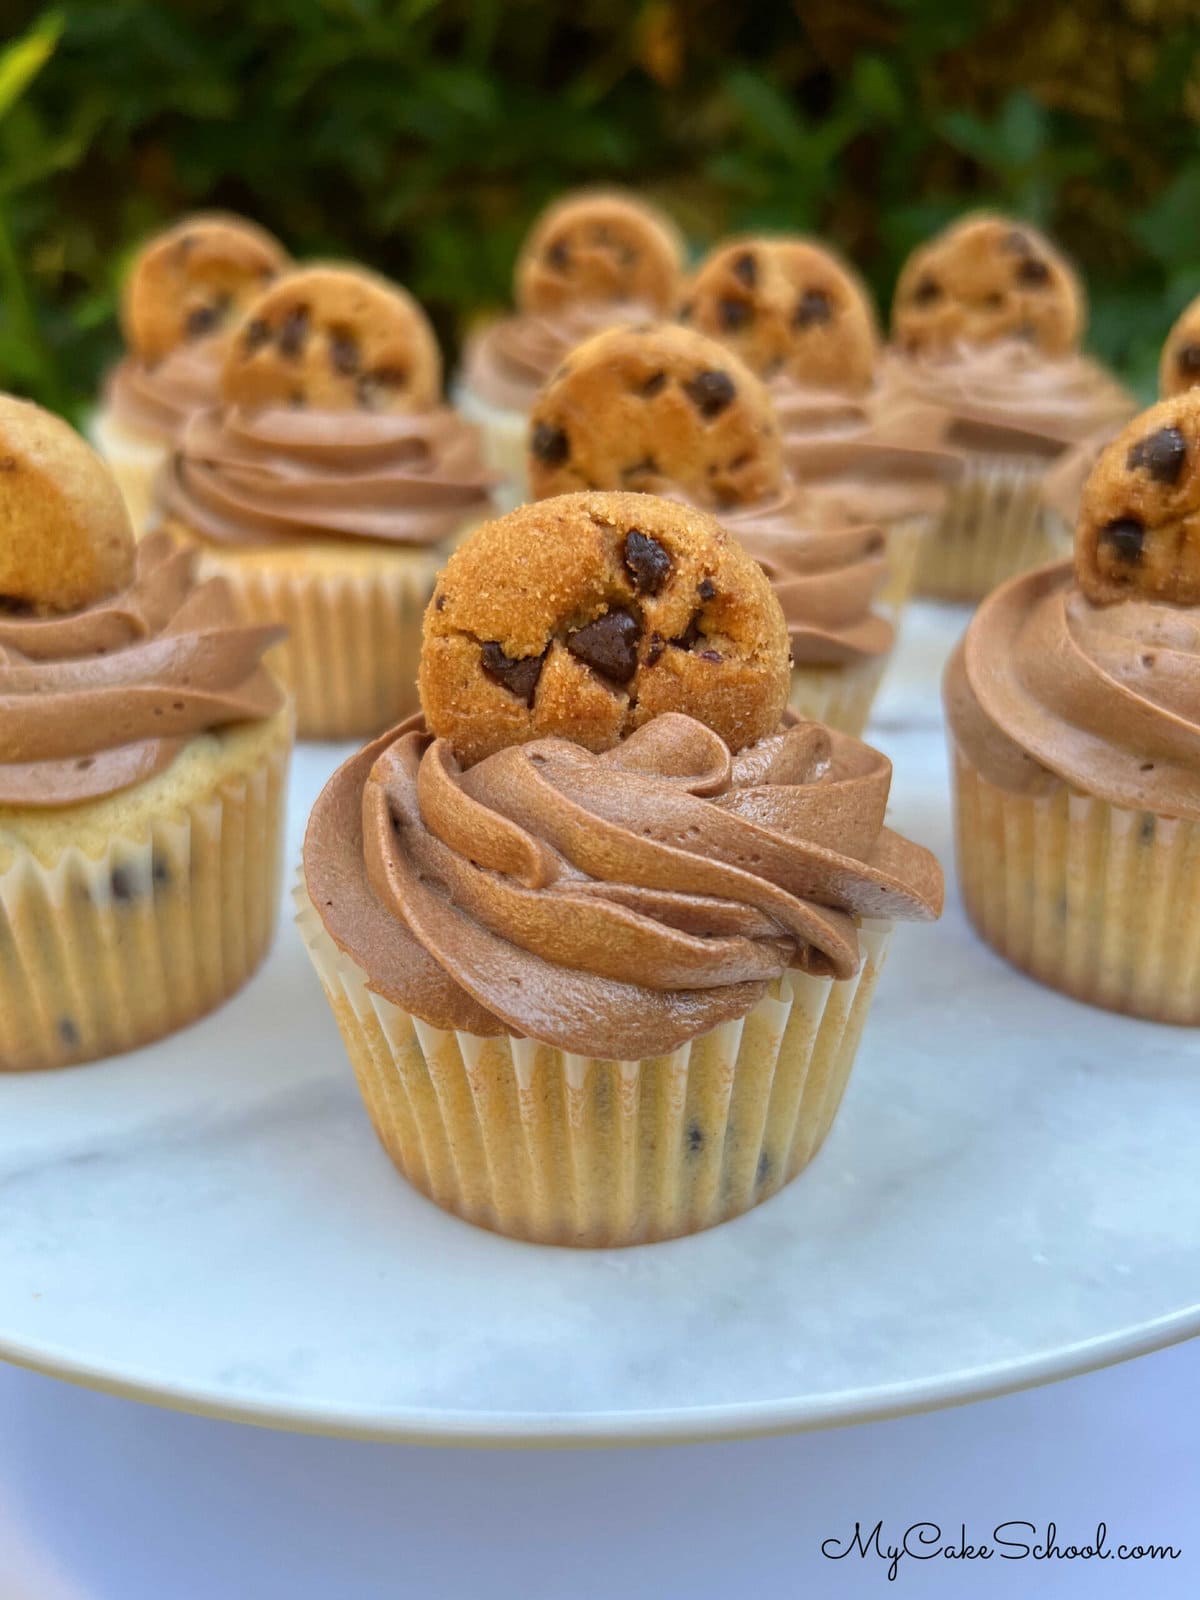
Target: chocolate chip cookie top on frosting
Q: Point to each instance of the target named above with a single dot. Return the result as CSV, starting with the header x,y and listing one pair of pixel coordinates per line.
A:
x,y
790,308
586,615
331,425
1090,674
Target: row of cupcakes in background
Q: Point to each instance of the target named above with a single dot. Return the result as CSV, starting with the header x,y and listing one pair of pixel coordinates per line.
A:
x,y
601,962
310,455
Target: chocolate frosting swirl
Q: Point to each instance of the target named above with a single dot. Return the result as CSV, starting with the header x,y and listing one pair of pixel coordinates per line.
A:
x,y
615,905
825,572
103,698
507,362
1048,686
156,401
277,476
1010,397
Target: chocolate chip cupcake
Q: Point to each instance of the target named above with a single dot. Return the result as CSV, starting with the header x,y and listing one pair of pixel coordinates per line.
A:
x,y
1074,710
986,324
662,409
803,321
327,487
594,259
600,931
143,760
185,294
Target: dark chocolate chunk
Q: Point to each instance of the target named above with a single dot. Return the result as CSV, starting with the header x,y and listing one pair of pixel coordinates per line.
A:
x,y
927,291
706,588
734,314
813,307
654,384
1125,536
690,634
559,256
608,646
710,392
257,334
344,355
293,333
201,320
745,270
1033,272
648,564
1161,454
550,445
518,674
1188,360
657,645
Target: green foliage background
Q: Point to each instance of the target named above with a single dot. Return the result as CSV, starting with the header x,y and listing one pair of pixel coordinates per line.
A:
x,y
422,135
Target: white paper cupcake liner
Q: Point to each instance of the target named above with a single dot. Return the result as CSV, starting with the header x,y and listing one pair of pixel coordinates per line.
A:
x,y
839,696
555,1148
994,525
135,463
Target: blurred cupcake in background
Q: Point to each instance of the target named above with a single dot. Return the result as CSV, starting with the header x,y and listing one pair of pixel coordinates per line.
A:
x,y
986,324
664,410
592,260
143,766
184,295
327,487
801,318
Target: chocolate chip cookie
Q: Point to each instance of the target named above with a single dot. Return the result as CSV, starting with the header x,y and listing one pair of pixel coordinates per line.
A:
x,y
984,279
65,535
787,306
660,409
585,615
336,339
600,247
1138,531
194,281
1179,368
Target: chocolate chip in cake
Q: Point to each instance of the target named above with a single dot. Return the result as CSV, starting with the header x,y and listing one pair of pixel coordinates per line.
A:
x,y
293,333
647,562
733,314
710,392
1033,272
927,291
257,334
813,307
1125,536
1188,360
654,384
1161,454
745,270
518,674
608,646
344,354
550,445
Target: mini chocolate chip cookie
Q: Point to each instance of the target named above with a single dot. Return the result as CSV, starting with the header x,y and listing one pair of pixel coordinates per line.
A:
x,y
1179,367
600,247
659,409
984,279
1138,531
586,615
65,535
787,306
336,339
194,281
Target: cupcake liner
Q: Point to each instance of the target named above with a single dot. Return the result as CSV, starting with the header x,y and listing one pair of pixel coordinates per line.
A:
x,y
555,1148
993,526
905,538
135,464
839,696
354,638
505,442
100,954
1100,902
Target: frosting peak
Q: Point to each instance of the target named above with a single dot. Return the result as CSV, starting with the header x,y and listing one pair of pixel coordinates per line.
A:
x,y
106,697
616,904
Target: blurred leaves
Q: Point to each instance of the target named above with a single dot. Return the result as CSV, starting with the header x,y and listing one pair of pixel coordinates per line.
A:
x,y
422,135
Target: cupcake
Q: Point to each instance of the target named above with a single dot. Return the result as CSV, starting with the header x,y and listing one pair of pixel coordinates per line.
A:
x,y
327,487
592,260
664,410
987,322
600,930
1074,712
143,760
182,299
802,320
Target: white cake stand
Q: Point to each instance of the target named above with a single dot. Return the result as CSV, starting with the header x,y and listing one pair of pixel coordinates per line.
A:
x,y
1011,1194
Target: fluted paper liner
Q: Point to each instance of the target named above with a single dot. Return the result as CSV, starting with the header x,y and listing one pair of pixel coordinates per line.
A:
x,y
134,462
1090,898
554,1148
354,638
994,525
839,696
102,954
505,438
905,539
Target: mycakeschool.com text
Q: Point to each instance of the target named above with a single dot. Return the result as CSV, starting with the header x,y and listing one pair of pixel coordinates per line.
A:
x,y
1007,1541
